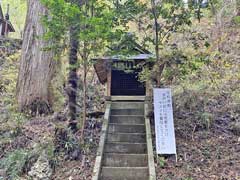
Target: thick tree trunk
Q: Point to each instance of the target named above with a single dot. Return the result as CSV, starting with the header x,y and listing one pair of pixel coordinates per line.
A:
x,y
36,65
73,78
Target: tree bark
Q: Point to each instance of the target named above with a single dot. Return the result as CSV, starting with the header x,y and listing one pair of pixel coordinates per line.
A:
x,y
73,63
238,7
85,67
73,78
157,29
36,65
154,9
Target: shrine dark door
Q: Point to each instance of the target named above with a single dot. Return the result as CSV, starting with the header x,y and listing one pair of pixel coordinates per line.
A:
x,y
126,84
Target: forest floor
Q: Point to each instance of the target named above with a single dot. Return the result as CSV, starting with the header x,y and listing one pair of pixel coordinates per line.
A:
x,y
207,109
208,148
24,139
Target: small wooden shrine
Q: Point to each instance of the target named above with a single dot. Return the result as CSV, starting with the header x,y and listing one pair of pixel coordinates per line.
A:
x,y
5,25
121,73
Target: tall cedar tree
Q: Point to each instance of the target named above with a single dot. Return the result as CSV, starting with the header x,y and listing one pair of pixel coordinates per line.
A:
x,y
36,65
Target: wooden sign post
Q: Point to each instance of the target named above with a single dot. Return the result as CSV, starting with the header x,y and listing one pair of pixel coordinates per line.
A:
x,y
164,125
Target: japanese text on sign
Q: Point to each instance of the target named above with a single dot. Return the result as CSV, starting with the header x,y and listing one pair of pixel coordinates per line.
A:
x,y
164,125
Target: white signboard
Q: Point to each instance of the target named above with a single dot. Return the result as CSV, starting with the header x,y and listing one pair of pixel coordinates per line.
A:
x,y
164,125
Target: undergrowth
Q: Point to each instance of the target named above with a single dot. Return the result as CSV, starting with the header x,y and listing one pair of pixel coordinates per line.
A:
x,y
15,162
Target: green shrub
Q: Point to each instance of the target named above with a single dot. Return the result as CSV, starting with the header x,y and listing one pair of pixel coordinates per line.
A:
x,y
236,20
206,119
14,163
161,161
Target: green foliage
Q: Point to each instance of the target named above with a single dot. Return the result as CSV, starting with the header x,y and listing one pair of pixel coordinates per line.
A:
x,y
158,23
236,20
63,15
127,11
179,64
145,74
94,25
95,20
13,120
206,119
14,162
65,142
20,161
18,120
161,161
71,142
49,149
170,16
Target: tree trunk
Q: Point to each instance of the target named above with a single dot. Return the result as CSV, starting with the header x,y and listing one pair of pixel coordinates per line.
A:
x,y
213,8
73,79
73,63
238,7
36,65
84,94
157,29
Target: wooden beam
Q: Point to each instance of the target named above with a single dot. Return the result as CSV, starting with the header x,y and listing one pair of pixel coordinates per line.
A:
x,y
109,82
128,98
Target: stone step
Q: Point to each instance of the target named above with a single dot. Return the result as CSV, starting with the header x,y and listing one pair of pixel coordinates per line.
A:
x,y
125,160
127,112
126,128
124,173
127,119
119,147
127,105
127,137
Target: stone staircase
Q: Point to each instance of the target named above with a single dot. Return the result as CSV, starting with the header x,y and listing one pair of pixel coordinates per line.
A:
x,y
125,153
